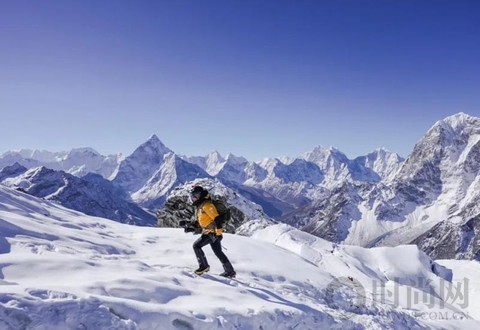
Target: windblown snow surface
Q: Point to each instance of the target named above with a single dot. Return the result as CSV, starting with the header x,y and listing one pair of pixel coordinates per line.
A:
x,y
60,269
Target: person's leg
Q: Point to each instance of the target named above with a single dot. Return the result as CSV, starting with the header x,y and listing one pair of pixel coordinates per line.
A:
x,y
197,247
217,249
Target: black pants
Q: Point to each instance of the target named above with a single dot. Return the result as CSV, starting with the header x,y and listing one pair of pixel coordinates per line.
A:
x,y
215,242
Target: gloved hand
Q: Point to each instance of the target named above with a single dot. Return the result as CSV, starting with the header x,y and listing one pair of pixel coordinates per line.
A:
x,y
189,229
183,223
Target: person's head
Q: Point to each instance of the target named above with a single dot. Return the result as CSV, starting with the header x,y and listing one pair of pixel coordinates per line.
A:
x,y
198,195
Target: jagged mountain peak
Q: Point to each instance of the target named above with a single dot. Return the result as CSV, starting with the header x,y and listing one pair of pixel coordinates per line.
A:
x,y
320,155
323,149
173,171
318,150
459,120
135,170
381,151
153,144
215,157
449,137
171,159
14,168
298,171
450,129
381,154
231,158
214,162
12,171
215,153
83,151
41,170
153,137
269,163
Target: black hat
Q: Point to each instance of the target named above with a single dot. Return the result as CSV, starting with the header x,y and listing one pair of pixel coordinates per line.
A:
x,y
198,194
197,189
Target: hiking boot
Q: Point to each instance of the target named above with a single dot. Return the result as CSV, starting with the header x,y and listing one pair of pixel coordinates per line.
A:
x,y
228,270
202,270
228,274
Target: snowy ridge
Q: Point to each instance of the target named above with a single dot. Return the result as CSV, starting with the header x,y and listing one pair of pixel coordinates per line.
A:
x,y
61,269
91,194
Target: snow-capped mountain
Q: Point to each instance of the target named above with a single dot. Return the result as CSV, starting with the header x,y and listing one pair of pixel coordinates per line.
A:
x,y
172,172
246,216
337,168
431,200
330,217
234,169
382,162
91,194
137,169
61,269
78,161
278,184
229,168
152,171
297,182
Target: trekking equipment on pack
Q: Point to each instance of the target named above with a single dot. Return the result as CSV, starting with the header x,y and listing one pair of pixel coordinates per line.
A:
x,y
224,213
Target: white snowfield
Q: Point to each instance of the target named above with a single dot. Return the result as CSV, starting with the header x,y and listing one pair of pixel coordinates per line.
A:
x,y
60,269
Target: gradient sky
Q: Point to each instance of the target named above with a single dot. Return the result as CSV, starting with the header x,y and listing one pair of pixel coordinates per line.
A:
x,y
255,78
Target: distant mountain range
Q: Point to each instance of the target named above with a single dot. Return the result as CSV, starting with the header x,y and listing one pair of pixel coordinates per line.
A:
x,y
433,200
90,194
150,173
376,199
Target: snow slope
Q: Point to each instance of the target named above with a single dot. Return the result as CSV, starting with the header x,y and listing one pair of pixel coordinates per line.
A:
x,y
60,269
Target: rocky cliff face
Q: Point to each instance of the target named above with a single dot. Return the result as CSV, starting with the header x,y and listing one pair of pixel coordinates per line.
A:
x,y
450,240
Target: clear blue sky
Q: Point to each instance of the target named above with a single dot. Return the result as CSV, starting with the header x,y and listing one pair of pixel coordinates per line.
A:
x,y
256,78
